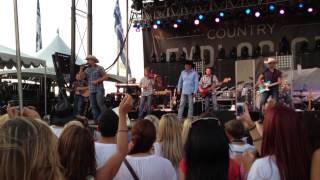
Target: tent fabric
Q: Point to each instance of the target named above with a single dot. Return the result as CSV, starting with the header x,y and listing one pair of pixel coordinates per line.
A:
x,y
307,79
57,45
8,59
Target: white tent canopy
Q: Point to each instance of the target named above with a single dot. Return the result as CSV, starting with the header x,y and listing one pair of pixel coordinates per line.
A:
x,y
57,45
8,59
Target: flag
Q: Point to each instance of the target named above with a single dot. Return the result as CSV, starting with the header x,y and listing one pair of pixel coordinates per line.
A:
x,y
38,29
119,32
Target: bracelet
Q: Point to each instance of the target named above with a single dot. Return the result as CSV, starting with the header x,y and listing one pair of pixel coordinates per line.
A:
x,y
253,127
258,139
123,130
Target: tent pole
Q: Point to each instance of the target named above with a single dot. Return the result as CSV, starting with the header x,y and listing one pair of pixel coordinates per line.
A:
x,y
16,23
45,89
127,43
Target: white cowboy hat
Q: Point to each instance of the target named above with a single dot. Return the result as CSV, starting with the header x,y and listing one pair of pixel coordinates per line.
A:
x,y
270,60
92,58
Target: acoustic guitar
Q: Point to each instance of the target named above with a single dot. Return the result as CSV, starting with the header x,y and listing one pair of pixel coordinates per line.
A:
x,y
82,91
205,90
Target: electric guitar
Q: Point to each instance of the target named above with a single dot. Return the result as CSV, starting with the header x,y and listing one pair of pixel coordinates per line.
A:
x,y
265,86
205,90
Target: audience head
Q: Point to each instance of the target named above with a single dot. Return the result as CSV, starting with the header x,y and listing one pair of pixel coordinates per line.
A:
x,y
28,150
143,136
154,119
76,150
169,136
207,150
284,137
235,129
185,129
108,123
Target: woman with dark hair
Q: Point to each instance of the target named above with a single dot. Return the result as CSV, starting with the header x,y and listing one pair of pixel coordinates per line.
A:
x,y
141,162
207,153
77,153
284,147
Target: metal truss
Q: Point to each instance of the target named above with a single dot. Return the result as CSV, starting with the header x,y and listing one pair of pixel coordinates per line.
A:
x,y
167,9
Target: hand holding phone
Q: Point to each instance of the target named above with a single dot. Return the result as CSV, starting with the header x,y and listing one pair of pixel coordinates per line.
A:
x,y
239,109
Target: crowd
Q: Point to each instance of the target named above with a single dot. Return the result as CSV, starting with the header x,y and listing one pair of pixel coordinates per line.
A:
x,y
199,148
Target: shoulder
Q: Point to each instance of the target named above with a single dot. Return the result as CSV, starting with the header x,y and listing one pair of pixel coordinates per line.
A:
x,y
264,168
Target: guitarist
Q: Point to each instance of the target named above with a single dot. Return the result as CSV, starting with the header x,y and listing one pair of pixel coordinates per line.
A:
x,y
207,87
79,85
272,75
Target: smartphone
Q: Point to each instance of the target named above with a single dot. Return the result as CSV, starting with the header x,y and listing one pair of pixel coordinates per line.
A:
x,y
239,109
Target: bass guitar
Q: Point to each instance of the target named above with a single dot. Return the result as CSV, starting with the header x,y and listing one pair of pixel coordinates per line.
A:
x,y
205,90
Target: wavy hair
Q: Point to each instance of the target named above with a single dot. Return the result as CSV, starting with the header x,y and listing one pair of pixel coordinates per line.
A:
x,y
28,150
169,136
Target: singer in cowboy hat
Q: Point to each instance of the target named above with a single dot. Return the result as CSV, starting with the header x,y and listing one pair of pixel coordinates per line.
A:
x,y
270,79
95,75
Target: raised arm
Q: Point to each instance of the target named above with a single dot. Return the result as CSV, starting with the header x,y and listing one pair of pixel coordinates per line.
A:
x,y
111,167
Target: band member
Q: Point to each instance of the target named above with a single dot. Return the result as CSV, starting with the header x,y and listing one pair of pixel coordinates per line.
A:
x,y
79,86
146,83
188,83
207,87
95,75
269,79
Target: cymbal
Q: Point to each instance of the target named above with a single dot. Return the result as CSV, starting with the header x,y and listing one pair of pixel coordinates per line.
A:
x,y
299,96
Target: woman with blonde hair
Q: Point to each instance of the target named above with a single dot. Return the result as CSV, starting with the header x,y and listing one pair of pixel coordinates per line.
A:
x,y
169,142
28,150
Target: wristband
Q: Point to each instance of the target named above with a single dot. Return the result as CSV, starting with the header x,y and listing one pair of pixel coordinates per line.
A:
x,y
123,130
258,139
253,127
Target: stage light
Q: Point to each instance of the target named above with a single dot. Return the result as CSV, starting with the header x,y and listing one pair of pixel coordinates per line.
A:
x,y
217,20
282,12
175,25
158,22
301,5
137,29
155,26
310,9
179,21
200,17
196,22
221,14
257,14
248,11
271,7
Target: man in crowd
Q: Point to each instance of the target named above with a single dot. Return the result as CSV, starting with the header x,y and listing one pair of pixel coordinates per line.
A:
x,y
95,75
187,87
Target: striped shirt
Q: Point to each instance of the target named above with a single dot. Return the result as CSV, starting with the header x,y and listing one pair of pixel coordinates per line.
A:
x,y
94,73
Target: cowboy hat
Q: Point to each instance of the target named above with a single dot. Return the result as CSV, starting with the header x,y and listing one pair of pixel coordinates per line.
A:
x,y
270,60
92,58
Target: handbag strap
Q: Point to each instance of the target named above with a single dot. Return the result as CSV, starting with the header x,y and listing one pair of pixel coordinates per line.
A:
x,y
131,170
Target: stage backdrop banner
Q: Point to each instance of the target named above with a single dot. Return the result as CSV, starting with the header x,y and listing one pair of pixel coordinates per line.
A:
x,y
212,37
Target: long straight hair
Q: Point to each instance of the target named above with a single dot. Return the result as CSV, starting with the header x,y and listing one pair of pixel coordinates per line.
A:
x,y
77,152
207,151
284,137
169,136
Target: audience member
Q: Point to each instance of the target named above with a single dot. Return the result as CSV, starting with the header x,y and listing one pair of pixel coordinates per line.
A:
x,y
206,154
28,150
106,144
284,149
154,119
235,131
169,142
185,130
143,163
315,165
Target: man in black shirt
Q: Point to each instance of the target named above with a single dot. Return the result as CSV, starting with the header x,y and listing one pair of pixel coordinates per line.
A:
x,y
269,81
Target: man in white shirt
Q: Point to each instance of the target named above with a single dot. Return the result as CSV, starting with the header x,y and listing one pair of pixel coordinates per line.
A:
x,y
146,83
106,145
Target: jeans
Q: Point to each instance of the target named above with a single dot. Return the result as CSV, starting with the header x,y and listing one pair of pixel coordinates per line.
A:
x,y
97,103
265,96
213,97
143,101
184,99
78,105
